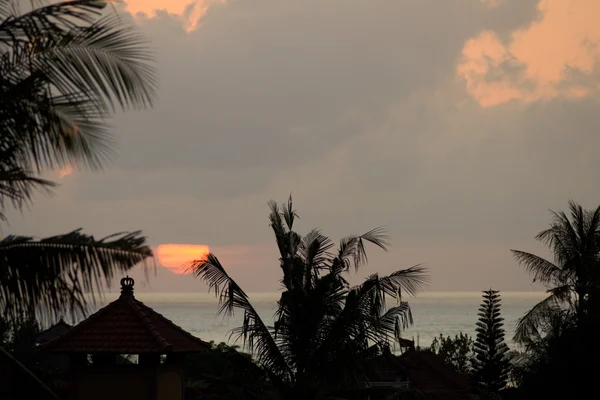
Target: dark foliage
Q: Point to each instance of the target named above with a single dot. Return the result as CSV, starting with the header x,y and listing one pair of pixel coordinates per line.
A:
x,y
18,337
457,351
573,279
490,365
54,274
559,334
64,67
225,373
327,334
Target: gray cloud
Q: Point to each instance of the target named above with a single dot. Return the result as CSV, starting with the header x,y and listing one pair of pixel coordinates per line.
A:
x,y
355,107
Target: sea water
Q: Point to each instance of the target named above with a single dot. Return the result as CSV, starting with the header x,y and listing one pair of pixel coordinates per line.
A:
x,y
448,313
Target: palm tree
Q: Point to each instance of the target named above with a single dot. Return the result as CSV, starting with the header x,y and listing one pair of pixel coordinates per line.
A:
x,y
64,68
327,335
573,278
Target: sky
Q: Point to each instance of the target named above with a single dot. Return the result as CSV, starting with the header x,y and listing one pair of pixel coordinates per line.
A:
x,y
455,124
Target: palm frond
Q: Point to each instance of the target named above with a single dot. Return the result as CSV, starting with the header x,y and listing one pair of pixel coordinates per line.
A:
x,y
543,271
528,326
411,280
18,186
45,19
352,250
364,314
304,316
314,252
8,8
255,334
393,322
349,348
288,213
55,274
66,67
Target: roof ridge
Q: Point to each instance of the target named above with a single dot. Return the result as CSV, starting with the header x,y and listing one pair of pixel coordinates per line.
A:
x,y
119,326
143,316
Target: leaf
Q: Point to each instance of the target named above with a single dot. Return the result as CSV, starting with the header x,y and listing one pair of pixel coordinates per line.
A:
x,y
65,69
254,332
56,274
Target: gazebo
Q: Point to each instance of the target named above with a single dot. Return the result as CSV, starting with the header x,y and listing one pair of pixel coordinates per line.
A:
x,y
125,351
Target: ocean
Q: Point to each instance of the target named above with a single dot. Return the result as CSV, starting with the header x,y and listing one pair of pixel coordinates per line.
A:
x,y
433,312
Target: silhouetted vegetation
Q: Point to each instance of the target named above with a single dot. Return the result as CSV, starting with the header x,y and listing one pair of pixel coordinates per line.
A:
x,y
490,364
328,335
19,338
456,351
225,372
559,335
64,67
67,66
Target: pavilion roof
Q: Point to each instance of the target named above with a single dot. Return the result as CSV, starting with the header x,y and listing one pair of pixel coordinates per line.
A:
x,y
126,326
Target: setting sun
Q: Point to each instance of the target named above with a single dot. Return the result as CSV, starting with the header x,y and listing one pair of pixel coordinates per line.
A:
x,y
176,256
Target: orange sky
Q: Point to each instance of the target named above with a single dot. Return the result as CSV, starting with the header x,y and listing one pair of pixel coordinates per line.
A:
x,y
190,12
176,256
566,38
65,171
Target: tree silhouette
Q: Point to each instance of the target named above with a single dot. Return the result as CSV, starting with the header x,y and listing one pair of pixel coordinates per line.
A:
x,y
64,68
328,335
456,351
559,334
573,279
490,363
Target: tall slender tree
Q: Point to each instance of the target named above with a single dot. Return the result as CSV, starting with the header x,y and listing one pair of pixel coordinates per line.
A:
x,y
327,334
64,68
490,363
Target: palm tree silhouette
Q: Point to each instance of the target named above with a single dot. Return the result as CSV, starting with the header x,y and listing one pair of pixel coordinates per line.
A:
x,y
572,279
64,68
327,334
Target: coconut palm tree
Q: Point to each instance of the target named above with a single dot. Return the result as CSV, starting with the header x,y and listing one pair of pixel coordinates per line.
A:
x,y
327,334
64,68
573,278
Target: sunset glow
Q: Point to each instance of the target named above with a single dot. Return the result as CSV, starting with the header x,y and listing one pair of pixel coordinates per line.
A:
x,y
554,56
65,171
189,12
176,256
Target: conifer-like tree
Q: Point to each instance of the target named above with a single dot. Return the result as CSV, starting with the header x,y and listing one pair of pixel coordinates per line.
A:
x,y
491,362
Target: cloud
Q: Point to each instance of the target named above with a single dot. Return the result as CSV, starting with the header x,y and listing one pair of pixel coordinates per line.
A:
x,y
355,108
557,55
188,13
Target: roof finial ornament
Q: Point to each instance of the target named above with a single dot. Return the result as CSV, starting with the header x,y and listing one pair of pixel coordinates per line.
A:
x,y
127,287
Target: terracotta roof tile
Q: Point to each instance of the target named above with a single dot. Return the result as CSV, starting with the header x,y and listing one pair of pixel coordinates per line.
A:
x,y
126,326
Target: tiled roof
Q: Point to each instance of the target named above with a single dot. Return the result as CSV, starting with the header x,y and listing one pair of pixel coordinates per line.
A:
x,y
126,326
